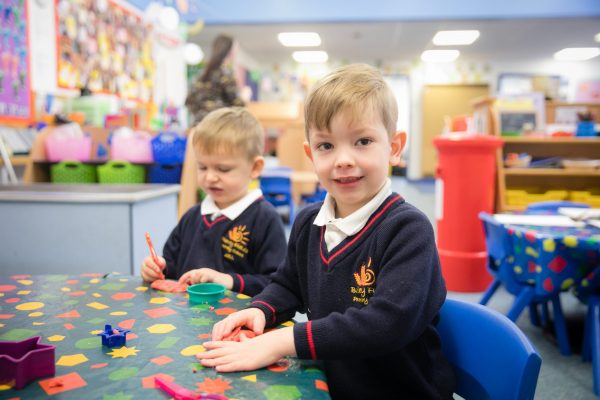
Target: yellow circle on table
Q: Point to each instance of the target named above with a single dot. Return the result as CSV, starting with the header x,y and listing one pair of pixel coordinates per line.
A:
x,y
193,350
118,313
36,314
34,305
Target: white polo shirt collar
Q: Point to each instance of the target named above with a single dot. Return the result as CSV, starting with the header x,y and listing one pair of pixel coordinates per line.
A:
x,y
233,211
338,229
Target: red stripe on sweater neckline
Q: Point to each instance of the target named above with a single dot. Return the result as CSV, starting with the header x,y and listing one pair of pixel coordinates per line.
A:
x,y
358,235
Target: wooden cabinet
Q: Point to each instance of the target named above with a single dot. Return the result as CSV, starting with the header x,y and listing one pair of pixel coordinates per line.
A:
x,y
517,187
543,180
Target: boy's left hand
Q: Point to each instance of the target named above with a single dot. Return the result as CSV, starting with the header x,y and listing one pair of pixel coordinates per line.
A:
x,y
202,275
249,354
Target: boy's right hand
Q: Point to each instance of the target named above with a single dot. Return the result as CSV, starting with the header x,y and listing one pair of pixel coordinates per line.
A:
x,y
152,271
251,318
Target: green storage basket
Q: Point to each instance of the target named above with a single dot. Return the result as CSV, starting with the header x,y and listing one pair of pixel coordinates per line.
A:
x,y
73,172
118,171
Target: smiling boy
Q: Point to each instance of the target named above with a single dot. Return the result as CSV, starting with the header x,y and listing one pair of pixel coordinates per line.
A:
x,y
363,265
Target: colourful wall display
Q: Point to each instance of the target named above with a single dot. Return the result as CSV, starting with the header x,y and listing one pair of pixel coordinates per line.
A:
x,y
104,46
15,94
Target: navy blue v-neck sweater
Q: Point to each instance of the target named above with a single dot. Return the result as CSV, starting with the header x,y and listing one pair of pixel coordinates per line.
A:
x,y
249,248
372,304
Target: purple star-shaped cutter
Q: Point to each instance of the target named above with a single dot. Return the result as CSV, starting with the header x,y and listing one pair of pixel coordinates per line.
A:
x,y
21,362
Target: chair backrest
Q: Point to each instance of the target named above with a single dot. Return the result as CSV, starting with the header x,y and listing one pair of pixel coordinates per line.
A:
x,y
492,358
496,239
553,206
275,185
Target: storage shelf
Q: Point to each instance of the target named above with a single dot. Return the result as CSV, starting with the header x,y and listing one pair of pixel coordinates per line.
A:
x,y
551,140
17,161
541,147
552,171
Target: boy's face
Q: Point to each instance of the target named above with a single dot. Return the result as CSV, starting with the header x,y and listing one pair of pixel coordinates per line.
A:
x,y
352,160
226,176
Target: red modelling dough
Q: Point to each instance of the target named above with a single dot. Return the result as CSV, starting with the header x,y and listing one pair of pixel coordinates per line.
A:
x,y
170,286
236,334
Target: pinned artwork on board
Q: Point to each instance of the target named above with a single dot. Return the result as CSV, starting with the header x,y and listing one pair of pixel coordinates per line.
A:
x,y
15,92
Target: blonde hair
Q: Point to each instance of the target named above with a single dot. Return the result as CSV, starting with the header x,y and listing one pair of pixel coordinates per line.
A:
x,y
230,130
352,88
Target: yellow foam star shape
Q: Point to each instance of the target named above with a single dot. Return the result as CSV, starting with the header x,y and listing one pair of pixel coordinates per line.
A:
x,y
124,352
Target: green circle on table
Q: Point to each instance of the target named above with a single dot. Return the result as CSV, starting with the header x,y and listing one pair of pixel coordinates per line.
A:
x,y
89,343
71,302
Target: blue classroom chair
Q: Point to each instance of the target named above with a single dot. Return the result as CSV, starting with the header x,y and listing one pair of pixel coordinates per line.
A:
x,y
491,357
317,196
588,291
276,185
507,254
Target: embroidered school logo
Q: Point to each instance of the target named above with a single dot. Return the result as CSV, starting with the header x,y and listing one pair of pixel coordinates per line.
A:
x,y
366,276
239,235
365,281
235,244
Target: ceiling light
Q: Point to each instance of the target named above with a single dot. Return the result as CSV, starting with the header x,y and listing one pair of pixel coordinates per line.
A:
x,y
192,53
310,56
577,53
299,39
597,37
440,55
455,38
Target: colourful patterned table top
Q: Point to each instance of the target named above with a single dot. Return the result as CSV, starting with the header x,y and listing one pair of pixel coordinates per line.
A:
x,y
166,333
555,258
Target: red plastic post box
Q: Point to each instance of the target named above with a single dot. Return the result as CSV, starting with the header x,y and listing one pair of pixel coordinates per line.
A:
x,y
465,186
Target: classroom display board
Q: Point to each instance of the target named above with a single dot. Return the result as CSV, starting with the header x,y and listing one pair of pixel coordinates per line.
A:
x,y
104,46
15,93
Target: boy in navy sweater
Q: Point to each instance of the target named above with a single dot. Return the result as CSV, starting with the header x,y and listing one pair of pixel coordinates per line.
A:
x,y
233,237
363,265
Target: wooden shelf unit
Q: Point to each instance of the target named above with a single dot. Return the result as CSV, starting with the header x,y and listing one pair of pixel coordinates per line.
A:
x,y
486,118
546,178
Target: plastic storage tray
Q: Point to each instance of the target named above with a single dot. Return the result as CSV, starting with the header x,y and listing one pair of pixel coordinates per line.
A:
x,y
590,196
136,148
68,148
121,172
168,148
73,172
525,196
164,173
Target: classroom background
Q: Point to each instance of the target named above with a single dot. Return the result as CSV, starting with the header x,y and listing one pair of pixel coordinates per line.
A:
x,y
502,120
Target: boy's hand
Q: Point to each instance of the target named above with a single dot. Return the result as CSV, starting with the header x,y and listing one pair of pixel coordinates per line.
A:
x,y
251,318
202,275
152,271
249,354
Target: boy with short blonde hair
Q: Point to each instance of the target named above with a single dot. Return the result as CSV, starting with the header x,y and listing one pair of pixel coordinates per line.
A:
x,y
233,237
363,265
